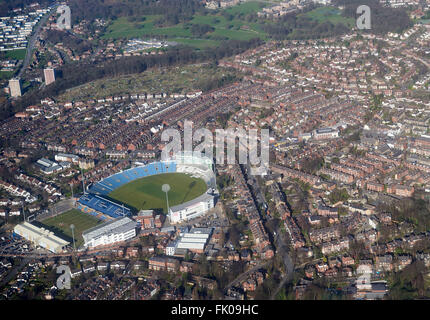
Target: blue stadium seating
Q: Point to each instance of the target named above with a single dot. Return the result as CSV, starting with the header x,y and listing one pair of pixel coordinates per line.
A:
x,y
103,205
115,181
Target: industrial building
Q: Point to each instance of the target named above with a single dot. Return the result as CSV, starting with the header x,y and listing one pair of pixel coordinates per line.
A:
x,y
67,157
41,237
121,229
194,240
48,167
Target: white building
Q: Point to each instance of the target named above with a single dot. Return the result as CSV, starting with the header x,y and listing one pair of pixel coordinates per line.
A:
x,y
48,167
191,209
67,157
364,273
49,74
40,237
200,166
171,248
194,240
15,87
325,133
121,229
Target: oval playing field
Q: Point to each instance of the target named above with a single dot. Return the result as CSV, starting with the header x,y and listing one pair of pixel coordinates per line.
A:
x,y
146,193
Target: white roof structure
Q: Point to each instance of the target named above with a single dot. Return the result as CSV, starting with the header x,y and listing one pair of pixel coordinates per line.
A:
x,y
41,237
120,225
192,158
195,239
203,198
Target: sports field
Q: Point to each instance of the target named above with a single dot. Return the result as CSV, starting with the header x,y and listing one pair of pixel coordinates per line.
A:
x,y
224,29
61,225
18,54
146,193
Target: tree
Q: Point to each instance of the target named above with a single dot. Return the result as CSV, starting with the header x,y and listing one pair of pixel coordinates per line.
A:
x,y
358,250
338,195
408,283
195,294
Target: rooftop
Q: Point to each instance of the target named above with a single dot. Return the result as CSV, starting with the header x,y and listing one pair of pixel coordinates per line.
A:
x,y
120,225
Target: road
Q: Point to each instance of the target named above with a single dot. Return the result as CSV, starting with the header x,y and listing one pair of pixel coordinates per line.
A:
x,y
32,255
279,240
33,39
283,249
424,62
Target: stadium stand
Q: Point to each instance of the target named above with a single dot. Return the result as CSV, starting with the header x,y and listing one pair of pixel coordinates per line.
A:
x,y
116,180
94,205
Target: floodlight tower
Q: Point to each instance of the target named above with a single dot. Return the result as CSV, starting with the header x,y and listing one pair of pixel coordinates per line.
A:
x,y
166,188
23,211
83,181
72,226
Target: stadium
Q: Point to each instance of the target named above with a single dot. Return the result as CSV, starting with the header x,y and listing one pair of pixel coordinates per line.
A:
x,y
189,174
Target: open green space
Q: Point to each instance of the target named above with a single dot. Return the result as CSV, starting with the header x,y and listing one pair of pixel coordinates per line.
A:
x,y
15,54
197,43
170,80
331,14
224,28
146,193
6,75
227,24
60,224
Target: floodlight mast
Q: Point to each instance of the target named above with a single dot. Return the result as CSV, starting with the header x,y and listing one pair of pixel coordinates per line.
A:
x,y
166,188
23,211
83,182
72,226
71,188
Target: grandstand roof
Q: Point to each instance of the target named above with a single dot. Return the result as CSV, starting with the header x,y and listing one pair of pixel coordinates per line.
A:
x,y
203,198
120,225
41,236
192,157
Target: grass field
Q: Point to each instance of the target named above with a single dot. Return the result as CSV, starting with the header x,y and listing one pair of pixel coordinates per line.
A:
x,y
229,24
6,74
15,54
146,193
237,29
234,29
331,14
61,225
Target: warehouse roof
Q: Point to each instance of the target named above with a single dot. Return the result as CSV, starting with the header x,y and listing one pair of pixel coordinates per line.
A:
x,y
38,234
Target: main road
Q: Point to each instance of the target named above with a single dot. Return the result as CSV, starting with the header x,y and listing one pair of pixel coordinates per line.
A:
x,y
283,249
34,37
